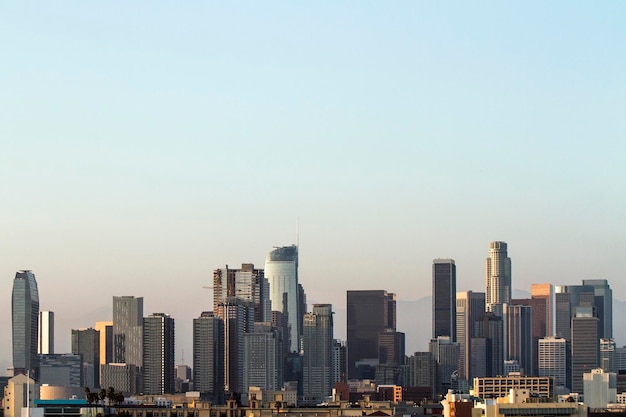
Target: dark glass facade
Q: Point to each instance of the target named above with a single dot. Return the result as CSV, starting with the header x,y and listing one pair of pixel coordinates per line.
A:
x,y
25,323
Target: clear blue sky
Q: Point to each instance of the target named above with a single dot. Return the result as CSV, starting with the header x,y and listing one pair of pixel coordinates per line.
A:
x,y
144,145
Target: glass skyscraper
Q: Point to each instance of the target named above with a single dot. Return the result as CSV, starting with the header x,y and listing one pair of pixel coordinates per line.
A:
x,y
25,323
497,278
444,298
281,271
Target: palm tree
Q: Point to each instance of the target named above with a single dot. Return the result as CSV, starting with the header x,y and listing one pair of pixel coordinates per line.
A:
x,y
88,395
110,395
119,398
102,395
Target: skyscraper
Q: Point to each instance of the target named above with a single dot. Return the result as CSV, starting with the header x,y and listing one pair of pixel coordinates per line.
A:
x,y
281,271
446,355
237,321
262,351
106,341
585,345
248,284
158,354
519,344
208,356
545,292
370,312
86,343
25,323
553,359
603,301
497,278
470,307
317,362
127,330
444,298
46,333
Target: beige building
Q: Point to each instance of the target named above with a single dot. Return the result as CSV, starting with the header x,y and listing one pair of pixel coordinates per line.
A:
x,y
16,396
500,386
518,403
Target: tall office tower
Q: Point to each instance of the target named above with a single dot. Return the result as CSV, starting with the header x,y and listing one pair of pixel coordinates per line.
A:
x,y
423,371
443,298
488,346
518,339
620,359
446,355
262,351
128,330
86,343
562,313
603,301
106,341
390,358
25,323
585,345
553,359
539,325
340,362
470,307
369,313
497,277
236,322
281,271
545,292
208,357
46,333
158,354
607,355
317,341
248,284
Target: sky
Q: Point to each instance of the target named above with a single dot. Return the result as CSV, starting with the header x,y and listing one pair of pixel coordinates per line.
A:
x,y
145,144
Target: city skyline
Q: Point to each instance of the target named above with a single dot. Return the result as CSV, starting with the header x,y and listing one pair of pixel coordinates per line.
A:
x,y
142,148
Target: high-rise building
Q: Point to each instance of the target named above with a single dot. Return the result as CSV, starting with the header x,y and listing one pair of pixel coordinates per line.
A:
x,y
25,323
106,341
562,313
248,284
317,342
544,292
158,354
370,312
281,271
539,307
607,355
446,355
603,301
122,377
236,322
423,371
470,307
553,359
444,298
340,362
585,345
262,351
518,329
208,356
497,278
86,343
127,330
599,388
488,346
46,333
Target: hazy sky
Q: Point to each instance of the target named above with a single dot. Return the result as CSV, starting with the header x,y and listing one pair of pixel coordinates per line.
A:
x,y
145,144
